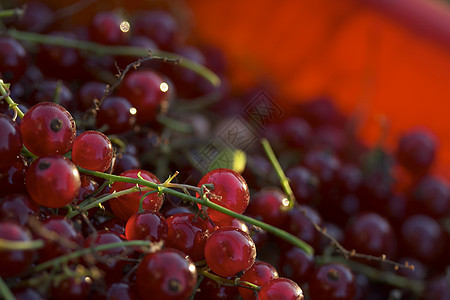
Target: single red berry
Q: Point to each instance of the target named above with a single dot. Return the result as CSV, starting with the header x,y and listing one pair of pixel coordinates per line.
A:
x,y
258,274
211,290
332,281
53,181
280,289
12,180
14,262
117,114
88,92
105,28
13,60
229,251
47,129
300,223
148,225
230,191
188,233
158,25
146,91
416,149
166,274
10,141
18,207
296,264
92,150
126,205
270,206
55,91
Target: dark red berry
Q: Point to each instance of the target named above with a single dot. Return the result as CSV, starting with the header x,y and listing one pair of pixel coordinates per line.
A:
x,y
88,92
258,274
18,208
158,25
229,251
148,225
10,142
13,60
53,181
296,264
72,288
270,206
166,274
105,28
92,150
47,129
332,282
117,114
417,149
280,288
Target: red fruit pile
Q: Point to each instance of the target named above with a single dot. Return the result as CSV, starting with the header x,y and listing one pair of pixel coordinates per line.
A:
x,y
85,212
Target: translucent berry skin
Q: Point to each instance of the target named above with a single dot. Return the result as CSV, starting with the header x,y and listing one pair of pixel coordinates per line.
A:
x,y
12,180
14,262
148,225
296,264
126,205
117,114
230,191
280,289
267,205
47,129
142,89
188,233
13,60
105,28
53,181
166,274
92,150
332,282
18,208
229,251
10,141
258,274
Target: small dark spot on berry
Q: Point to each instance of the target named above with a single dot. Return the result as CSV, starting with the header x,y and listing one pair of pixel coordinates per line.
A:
x,y
175,286
43,165
56,125
333,274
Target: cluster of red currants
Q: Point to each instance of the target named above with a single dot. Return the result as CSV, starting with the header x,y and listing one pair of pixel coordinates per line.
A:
x,y
81,217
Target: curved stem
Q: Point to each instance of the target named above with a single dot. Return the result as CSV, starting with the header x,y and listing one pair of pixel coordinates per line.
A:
x,y
5,291
9,100
67,257
269,228
114,51
15,12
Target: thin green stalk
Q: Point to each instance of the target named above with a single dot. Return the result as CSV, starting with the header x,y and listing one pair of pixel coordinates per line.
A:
x,y
221,280
9,100
20,245
5,291
67,257
114,51
269,228
284,181
15,12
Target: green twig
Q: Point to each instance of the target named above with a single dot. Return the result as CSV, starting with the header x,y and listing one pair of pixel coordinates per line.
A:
x,y
67,257
269,228
4,87
20,245
284,181
15,12
5,291
114,51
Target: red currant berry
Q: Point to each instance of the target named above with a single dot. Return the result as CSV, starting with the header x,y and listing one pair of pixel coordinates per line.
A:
x,y
296,264
53,181
270,206
230,191
12,180
105,28
258,274
117,114
211,290
92,150
72,288
47,129
146,91
55,91
158,25
188,233
332,282
126,205
13,60
229,251
148,225
166,274
14,262
88,92
18,207
280,289
10,141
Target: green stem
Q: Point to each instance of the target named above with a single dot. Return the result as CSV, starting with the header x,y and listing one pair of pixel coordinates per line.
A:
x,y
114,51
9,100
15,12
386,277
20,245
221,280
269,228
67,257
284,181
5,291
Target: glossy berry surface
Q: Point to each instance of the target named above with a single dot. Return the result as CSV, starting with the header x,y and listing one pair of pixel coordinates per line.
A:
x,y
117,114
12,179
53,181
258,274
126,205
13,59
158,25
92,150
230,191
148,225
14,262
188,233
229,251
166,274
143,90
47,129
332,282
280,289
105,28
296,264
18,208
270,206
10,141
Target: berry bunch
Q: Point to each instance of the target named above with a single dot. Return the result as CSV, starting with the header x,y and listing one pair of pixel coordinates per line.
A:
x,y
85,212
